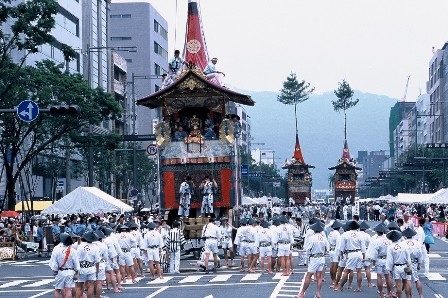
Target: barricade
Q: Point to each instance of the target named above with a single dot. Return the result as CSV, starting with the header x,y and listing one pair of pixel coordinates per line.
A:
x,y
414,220
439,228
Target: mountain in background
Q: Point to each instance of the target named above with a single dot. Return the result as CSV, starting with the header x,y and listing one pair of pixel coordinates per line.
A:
x,y
321,129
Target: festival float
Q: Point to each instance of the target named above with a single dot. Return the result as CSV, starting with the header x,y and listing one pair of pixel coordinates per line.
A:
x,y
299,177
193,101
344,182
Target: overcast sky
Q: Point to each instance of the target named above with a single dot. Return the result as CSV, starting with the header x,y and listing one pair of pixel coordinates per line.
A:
x,y
373,44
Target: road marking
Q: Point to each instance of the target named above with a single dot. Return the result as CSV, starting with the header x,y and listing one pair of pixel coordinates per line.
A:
x,y
278,276
279,287
438,295
39,283
221,278
251,276
157,292
434,276
129,281
434,256
13,283
43,293
163,280
373,275
209,296
191,278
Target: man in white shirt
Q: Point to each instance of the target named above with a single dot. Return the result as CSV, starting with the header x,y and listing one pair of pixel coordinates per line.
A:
x,y
354,246
316,246
398,262
416,254
89,261
153,244
176,64
65,265
334,240
212,73
211,233
285,237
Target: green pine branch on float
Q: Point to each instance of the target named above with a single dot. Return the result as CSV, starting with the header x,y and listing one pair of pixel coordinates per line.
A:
x,y
294,92
344,101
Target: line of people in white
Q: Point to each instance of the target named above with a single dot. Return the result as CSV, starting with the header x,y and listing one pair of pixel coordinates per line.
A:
x,y
393,254
84,264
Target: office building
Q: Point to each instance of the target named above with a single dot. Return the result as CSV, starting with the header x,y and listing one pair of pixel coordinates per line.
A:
x,y
140,25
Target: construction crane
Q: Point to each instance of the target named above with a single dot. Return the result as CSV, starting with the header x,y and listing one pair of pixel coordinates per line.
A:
x,y
403,99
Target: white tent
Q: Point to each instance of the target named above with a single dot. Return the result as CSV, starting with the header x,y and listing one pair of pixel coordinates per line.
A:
x,y
87,200
439,197
248,201
412,198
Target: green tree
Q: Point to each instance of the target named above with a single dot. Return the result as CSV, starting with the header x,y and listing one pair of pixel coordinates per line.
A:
x,y
24,27
294,92
345,101
47,84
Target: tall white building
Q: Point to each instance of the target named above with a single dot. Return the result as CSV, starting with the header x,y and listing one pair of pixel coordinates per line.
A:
x,y
67,31
438,103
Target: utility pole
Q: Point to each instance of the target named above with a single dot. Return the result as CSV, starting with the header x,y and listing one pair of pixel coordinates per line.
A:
x,y
134,130
259,150
134,151
89,79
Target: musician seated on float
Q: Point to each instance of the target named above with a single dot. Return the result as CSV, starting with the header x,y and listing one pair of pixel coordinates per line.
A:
x,y
212,73
208,133
180,134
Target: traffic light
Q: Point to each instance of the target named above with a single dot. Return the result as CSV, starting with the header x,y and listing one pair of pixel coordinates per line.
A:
x,y
64,110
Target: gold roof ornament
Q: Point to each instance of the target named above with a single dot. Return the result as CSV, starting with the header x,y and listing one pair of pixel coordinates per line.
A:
x,y
226,131
163,133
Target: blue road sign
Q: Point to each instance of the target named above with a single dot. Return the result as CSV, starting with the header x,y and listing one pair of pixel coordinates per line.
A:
x,y
151,149
244,170
27,110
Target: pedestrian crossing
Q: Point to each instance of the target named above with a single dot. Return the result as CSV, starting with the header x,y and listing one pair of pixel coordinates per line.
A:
x,y
430,276
25,263
217,278
46,282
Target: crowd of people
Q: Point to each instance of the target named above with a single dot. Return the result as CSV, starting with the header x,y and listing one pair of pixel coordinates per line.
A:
x,y
92,251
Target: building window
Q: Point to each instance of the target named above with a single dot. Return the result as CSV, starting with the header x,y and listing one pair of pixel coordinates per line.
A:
x,y
157,69
128,60
120,16
67,21
161,51
54,52
121,38
159,29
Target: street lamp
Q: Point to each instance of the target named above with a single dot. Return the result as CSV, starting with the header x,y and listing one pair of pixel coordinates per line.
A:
x,y
89,79
134,118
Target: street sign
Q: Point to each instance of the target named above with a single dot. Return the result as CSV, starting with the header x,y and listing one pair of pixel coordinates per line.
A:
x,y
139,138
27,110
437,145
244,170
151,149
256,174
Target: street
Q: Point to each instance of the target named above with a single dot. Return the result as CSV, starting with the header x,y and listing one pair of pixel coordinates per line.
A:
x,y
32,278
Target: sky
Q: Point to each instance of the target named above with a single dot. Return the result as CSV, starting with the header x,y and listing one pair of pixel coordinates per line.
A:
x,y
375,45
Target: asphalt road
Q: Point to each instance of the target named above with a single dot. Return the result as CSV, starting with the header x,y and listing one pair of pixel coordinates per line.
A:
x,y
31,277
